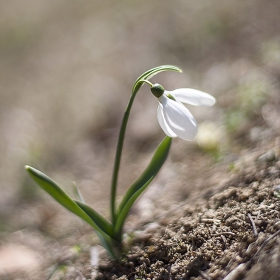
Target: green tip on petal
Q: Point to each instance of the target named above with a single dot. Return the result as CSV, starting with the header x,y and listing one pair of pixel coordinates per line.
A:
x,y
157,90
171,96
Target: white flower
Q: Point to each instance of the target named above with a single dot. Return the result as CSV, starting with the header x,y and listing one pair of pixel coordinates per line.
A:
x,y
174,118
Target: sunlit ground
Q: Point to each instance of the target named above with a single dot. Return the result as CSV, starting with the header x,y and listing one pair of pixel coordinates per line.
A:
x,y
66,72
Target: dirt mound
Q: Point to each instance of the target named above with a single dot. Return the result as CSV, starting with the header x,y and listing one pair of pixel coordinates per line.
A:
x,y
233,233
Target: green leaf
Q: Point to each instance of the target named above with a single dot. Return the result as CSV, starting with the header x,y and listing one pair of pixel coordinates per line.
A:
x,y
152,72
101,222
77,192
51,187
142,182
107,243
138,83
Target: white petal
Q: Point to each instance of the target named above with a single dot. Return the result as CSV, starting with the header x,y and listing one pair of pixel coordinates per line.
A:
x,y
193,97
178,118
163,124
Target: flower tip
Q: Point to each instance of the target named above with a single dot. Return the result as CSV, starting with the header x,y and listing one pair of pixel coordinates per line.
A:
x,y
213,100
190,135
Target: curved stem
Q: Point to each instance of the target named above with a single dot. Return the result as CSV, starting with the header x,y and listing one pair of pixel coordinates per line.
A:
x,y
138,83
118,157
148,82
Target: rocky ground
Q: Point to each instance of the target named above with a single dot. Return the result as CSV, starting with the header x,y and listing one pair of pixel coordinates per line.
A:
x,y
213,210
228,232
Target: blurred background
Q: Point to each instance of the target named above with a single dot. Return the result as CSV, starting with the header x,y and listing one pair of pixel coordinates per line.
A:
x,y
66,73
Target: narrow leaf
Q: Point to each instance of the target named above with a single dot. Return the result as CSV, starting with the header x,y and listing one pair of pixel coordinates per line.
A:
x,y
142,182
138,83
107,244
51,187
77,192
101,222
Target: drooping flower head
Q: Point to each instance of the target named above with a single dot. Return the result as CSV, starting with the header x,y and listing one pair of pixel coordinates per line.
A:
x,y
174,118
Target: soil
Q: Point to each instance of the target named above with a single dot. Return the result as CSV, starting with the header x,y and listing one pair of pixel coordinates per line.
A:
x,y
230,231
213,210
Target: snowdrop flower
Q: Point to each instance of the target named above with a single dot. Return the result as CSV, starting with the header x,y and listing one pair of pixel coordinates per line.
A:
x,y
174,118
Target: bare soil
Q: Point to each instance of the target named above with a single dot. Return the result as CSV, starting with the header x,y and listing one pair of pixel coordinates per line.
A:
x,y
230,232
66,74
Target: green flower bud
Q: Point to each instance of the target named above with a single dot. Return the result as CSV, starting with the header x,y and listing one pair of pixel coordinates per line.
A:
x,y
171,96
157,90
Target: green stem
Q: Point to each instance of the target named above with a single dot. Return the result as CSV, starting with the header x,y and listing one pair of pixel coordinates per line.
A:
x,y
138,83
118,157
148,82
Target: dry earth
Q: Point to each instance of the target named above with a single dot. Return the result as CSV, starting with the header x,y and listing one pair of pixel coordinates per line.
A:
x,y
230,230
213,211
